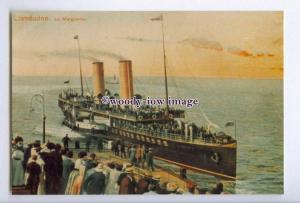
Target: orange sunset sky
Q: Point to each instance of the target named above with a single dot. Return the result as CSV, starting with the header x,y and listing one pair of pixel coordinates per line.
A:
x,y
198,44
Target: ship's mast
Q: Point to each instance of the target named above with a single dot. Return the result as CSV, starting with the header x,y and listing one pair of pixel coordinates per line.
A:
x,y
79,58
165,65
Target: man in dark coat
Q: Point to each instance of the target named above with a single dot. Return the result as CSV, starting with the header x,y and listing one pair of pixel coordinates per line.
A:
x,y
128,183
88,143
65,141
100,144
53,168
95,183
34,171
27,155
123,153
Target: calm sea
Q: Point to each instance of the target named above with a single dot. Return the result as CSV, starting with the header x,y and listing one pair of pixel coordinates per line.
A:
x,y
256,105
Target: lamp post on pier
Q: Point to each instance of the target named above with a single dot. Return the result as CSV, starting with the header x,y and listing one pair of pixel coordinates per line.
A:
x,y
42,101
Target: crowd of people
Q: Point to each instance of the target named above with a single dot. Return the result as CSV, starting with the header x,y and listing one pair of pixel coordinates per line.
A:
x,y
139,155
51,169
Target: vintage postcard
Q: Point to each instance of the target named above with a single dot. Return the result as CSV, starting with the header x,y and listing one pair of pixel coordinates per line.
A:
x,y
185,103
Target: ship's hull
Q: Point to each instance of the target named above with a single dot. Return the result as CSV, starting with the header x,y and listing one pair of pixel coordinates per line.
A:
x,y
186,155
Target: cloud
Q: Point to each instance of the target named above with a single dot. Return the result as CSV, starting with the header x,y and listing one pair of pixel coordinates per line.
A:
x,y
213,45
91,55
138,39
246,53
202,43
239,52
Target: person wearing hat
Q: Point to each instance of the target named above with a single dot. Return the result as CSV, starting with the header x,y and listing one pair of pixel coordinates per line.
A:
x,y
128,183
17,163
95,183
172,187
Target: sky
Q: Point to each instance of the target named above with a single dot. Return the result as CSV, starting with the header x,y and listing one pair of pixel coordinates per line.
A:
x,y
198,44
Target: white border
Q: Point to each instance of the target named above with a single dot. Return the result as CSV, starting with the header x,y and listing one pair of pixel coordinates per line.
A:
x,y
291,90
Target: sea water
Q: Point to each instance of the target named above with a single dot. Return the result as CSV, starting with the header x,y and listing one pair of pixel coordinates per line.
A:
x,y
255,104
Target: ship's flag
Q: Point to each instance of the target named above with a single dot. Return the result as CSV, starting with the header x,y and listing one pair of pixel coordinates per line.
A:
x,y
76,37
229,124
159,18
67,82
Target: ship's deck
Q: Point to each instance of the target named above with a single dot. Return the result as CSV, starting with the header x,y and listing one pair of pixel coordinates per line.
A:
x,y
179,140
175,138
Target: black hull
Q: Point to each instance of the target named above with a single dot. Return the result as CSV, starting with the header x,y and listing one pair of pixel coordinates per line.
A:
x,y
186,155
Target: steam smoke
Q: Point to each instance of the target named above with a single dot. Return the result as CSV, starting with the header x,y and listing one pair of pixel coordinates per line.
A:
x,y
245,53
202,43
91,55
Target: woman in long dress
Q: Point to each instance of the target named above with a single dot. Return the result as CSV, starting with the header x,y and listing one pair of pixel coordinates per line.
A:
x,y
76,187
17,163
17,168
75,173
112,186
